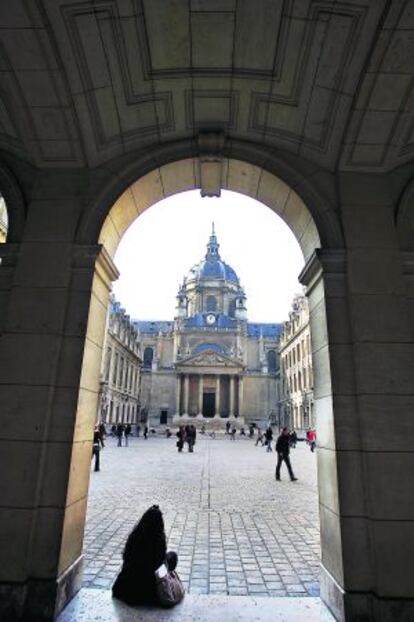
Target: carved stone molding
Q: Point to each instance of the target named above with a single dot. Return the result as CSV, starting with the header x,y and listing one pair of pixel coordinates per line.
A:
x,y
322,262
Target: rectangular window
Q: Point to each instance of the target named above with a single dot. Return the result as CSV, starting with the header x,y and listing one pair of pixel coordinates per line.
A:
x,y
121,372
115,372
108,363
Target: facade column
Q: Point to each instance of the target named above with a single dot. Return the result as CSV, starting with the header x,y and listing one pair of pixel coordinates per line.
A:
x,y
200,394
177,395
231,396
186,393
240,412
218,385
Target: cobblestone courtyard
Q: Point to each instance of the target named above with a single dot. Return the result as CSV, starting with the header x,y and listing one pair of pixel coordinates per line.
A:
x,y
236,530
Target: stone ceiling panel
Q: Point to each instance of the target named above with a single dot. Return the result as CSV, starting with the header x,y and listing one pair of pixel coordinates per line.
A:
x,y
383,112
91,80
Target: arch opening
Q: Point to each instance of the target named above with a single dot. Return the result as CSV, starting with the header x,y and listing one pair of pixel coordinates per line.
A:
x,y
165,181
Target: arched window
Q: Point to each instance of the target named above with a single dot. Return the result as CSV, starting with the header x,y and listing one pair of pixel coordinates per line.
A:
x,y
211,303
148,356
271,361
232,308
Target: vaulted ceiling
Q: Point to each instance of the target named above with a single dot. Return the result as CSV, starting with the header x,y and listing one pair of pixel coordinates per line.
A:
x,y
82,82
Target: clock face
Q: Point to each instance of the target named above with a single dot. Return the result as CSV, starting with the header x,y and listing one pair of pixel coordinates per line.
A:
x,y
210,318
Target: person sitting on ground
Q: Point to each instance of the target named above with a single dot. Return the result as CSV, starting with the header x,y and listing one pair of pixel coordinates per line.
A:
x,y
144,553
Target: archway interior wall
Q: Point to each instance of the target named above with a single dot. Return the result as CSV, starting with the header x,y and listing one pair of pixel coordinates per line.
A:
x,y
236,176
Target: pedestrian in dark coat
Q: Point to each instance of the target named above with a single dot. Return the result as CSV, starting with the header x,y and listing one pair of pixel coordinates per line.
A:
x,y
119,433
293,439
96,448
181,438
102,431
191,437
146,432
283,449
269,438
127,433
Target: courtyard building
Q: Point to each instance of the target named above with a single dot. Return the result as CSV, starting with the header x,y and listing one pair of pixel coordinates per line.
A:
x,y
296,403
119,397
210,364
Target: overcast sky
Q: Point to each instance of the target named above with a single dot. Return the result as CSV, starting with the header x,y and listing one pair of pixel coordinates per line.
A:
x,y
161,246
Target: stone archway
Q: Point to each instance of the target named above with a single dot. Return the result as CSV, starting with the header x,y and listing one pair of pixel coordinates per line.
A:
x,y
323,274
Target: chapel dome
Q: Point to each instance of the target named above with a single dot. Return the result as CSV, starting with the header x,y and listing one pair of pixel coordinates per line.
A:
x,y
213,267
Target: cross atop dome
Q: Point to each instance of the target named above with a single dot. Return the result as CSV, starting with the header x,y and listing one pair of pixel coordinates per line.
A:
x,y
213,246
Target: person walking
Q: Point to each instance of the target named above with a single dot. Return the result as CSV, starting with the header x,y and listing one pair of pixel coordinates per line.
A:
x,y
259,437
138,430
191,437
283,449
146,432
102,432
269,438
96,447
293,439
312,440
233,433
228,426
181,438
127,433
119,432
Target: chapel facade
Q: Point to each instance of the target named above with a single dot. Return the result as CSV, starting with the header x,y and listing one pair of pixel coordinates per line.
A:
x,y
209,363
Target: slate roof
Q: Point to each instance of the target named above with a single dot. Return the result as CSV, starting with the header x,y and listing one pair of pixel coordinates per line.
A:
x,y
268,330
153,327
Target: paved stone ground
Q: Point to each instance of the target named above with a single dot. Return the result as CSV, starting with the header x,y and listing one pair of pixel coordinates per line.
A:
x,y
236,530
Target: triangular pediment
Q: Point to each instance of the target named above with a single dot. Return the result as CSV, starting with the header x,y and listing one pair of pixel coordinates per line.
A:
x,y
209,358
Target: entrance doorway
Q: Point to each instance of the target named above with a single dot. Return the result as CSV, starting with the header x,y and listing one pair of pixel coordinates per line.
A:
x,y
164,417
209,404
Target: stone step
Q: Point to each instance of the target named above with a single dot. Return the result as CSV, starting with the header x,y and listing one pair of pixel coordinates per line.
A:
x,y
90,605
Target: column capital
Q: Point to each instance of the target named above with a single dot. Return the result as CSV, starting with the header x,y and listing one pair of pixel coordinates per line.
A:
x,y
323,260
321,263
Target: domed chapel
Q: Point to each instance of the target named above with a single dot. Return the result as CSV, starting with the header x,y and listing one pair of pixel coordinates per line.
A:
x,y
210,363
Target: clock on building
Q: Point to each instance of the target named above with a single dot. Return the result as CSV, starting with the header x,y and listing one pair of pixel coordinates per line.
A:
x,y
210,318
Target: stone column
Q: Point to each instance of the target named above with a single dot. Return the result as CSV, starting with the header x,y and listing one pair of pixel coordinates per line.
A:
x,y
240,412
186,393
50,359
363,360
218,385
177,395
231,396
200,394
